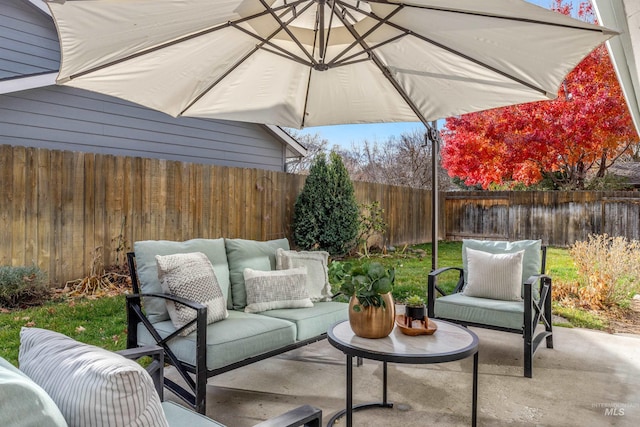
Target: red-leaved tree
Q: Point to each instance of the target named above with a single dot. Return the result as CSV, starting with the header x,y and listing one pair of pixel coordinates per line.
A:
x,y
568,140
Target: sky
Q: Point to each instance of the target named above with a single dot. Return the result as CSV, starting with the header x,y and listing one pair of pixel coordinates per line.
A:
x,y
348,135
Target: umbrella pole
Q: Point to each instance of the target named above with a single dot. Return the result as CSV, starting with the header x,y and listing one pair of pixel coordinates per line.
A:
x,y
433,136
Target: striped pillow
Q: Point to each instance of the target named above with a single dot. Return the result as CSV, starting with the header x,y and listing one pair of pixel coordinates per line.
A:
x,y
271,290
91,386
494,276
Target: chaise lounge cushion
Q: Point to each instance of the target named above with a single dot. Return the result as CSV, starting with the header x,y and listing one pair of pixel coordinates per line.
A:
x,y
239,336
252,254
483,311
191,276
23,403
147,268
90,385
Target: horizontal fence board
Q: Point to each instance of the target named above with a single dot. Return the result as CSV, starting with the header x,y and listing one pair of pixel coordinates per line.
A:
x,y
58,207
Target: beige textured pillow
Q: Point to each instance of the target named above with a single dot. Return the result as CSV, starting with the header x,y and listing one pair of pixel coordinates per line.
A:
x,y
91,386
191,276
316,262
271,290
494,276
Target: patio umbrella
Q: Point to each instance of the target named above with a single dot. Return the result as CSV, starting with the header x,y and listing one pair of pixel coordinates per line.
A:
x,y
301,63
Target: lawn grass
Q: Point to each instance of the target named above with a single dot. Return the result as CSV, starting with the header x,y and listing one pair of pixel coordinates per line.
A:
x,y
102,321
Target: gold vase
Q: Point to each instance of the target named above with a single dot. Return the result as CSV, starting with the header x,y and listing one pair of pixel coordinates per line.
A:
x,y
372,322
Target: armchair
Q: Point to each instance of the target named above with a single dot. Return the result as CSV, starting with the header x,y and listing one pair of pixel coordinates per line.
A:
x,y
482,297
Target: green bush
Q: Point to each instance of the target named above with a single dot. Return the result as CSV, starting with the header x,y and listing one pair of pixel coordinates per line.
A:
x,y
326,213
22,286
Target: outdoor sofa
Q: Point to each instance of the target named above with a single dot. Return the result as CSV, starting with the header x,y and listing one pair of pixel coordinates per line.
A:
x,y
62,382
503,286
284,303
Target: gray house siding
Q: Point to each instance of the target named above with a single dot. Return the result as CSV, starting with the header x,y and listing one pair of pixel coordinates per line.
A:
x,y
62,118
29,40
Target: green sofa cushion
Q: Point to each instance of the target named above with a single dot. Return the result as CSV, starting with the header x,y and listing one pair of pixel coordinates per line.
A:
x,y
506,314
147,268
239,336
313,321
531,262
252,254
23,403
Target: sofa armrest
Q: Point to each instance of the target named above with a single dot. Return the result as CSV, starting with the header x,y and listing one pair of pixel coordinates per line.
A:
x,y
305,415
155,368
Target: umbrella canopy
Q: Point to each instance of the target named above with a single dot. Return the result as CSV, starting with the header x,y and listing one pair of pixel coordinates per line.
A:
x,y
301,63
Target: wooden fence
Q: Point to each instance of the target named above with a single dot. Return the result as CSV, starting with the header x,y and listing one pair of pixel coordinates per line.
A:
x,y
57,207
559,218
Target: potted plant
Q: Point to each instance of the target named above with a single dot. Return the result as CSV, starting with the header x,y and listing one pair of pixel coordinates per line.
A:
x,y
371,306
414,307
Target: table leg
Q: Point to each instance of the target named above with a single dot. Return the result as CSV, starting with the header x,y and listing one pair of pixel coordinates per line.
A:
x,y
348,411
474,401
349,390
384,383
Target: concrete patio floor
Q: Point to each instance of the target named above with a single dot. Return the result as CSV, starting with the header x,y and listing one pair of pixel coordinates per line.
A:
x,y
590,378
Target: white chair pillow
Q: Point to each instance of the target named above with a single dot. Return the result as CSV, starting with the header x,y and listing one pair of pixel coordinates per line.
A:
x,y
494,276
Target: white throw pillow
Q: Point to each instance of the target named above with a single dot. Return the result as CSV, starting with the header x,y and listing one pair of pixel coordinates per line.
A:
x,y
271,290
494,276
316,262
90,385
191,276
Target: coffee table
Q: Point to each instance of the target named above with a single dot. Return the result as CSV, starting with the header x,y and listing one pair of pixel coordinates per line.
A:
x,y
449,343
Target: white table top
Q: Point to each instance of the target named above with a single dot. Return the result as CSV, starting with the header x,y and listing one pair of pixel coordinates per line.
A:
x,y
450,342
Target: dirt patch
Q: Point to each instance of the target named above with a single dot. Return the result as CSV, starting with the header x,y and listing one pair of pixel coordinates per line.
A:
x,y
625,320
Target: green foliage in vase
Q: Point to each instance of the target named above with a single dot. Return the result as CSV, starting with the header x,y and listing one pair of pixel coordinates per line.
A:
x,y
367,281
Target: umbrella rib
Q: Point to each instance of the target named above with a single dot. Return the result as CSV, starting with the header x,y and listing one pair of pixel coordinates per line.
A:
x,y
458,53
247,56
266,41
285,27
385,72
346,61
369,32
489,15
183,39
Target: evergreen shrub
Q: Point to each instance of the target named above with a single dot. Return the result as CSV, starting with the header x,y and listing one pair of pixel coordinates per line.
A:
x,y
326,214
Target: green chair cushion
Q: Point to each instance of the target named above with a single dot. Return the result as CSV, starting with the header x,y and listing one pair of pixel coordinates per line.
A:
x,y
147,268
506,314
313,321
239,336
252,254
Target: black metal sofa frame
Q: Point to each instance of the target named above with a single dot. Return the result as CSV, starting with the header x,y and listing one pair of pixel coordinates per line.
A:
x,y
195,395
535,310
